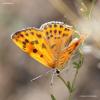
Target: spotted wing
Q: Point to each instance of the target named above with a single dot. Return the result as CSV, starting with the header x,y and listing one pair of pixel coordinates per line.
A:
x,y
32,42
57,35
66,54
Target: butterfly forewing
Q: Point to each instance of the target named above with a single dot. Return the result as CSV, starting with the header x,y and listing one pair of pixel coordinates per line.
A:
x,y
32,42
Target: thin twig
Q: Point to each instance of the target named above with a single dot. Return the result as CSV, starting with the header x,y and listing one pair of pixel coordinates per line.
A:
x,y
62,80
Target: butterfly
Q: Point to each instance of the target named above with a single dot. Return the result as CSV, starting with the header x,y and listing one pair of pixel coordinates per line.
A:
x,y
52,44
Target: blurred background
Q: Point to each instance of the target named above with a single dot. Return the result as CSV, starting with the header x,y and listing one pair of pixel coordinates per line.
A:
x,y
17,68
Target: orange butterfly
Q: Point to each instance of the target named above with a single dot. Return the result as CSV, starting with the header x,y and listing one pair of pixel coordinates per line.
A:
x,y
52,44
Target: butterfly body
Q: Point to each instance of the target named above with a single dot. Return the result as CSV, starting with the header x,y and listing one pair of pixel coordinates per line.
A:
x,y
50,45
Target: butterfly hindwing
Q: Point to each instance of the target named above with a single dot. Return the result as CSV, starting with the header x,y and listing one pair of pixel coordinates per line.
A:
x,y
66,54
32,42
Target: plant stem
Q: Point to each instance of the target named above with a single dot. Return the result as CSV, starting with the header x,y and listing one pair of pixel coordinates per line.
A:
x,y
62,80
69,86
73,82
65,83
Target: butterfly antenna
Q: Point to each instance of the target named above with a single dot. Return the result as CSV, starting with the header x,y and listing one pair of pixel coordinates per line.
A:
x,y
37,77
41,75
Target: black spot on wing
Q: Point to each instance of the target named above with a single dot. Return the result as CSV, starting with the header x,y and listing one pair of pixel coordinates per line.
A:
x,y
35,42
55,31
26,34
16,39
38,35
43,45
66,29
32,33
61,26
26,40
35,50
55,37
48,37
55,25
59,32
24,43
64,34
50,26
50,31
76,44
21,35
41,55
51,35
45,27
47,33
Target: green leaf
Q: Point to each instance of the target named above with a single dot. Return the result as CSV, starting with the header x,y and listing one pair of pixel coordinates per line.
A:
x,y
53,97
76,65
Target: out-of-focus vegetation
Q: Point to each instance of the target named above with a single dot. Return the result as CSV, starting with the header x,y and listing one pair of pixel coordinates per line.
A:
x,y
17,68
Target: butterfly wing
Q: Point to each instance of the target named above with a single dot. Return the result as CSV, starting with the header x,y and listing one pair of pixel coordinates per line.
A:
x,y
57,35
32,42
68,51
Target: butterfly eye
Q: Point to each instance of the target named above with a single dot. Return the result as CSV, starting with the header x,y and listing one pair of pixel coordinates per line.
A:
x,y
57,71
